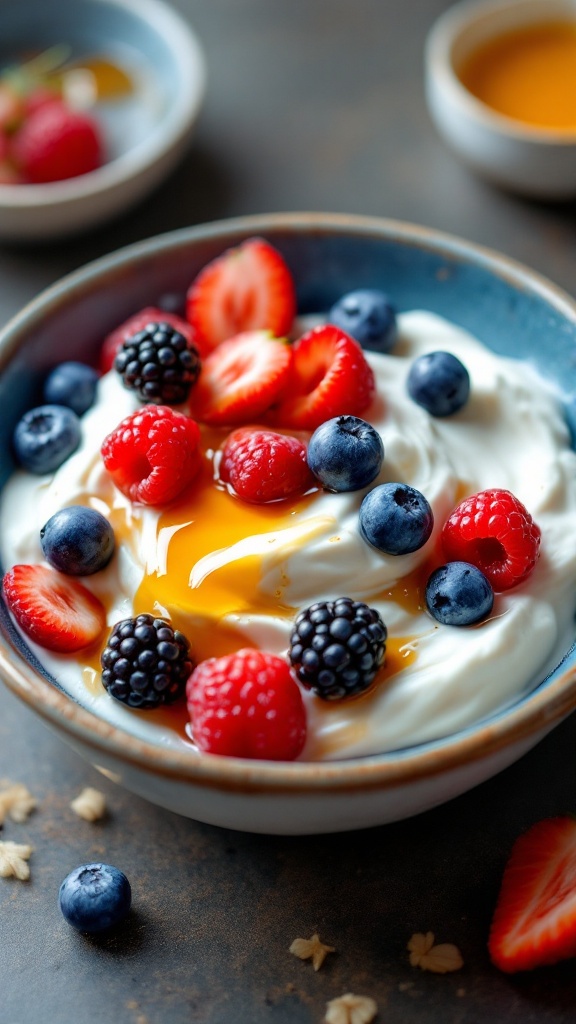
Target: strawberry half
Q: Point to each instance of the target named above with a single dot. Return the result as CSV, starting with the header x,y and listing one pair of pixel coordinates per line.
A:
x,y
57,612
330,377
241,379
248,288
135,323
535,918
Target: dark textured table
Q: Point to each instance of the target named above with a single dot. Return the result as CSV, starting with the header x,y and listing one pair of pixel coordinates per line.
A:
x,y
317,105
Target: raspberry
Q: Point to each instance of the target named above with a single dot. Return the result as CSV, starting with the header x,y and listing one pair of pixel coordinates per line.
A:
x,y
145,662
55,143
153,454
158,363
247,704
337,647
264,466
493,531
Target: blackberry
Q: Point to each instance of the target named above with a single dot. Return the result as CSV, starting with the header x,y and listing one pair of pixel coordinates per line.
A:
x,y
158,363
145,662
337,647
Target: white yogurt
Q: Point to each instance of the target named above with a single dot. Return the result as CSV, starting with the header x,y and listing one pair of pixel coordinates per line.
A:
x,y
511,434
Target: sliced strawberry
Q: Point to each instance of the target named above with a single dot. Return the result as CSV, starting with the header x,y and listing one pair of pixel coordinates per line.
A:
x,y
57,612
535,918
248,288
241,379
135,323
330,377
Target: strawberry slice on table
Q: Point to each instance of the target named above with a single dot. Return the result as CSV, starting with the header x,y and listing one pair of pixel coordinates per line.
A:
x,y
57,612
247,288
329,377
241,379
135,323
534,923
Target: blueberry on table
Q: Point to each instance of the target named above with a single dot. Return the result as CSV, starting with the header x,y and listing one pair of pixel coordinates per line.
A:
x,y
345,453
95,897
368,316
439,382
458,594
77,540
395,518
73,385
45,437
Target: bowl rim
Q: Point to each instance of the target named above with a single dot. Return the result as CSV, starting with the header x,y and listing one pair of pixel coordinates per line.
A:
x,y
534,713
190,62
438,58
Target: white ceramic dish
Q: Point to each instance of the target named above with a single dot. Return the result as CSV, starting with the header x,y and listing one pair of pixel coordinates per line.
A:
x,y
505,305
145,134
535,162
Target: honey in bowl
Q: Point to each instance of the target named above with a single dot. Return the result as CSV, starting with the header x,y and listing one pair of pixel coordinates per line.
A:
x,y
528,74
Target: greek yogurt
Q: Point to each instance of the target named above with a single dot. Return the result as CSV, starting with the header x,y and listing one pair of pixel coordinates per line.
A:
x,y
232,575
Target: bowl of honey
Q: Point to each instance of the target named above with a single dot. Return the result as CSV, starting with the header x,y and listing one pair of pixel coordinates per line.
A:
x,y
501,90
127,75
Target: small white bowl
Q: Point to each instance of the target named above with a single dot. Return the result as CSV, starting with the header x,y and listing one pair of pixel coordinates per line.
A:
x,y
532,161
145,135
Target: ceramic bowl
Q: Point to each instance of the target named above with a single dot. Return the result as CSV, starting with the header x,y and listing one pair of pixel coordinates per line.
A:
x,y
540,163
145,132
508,307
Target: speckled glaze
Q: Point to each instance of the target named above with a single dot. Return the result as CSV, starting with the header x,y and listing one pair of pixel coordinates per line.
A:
x,y
511,309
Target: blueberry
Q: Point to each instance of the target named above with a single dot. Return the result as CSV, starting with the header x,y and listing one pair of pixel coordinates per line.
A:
x,y
45,437
458,594
73,385
95,897
439,382
77,540
368,316
396,518
345,453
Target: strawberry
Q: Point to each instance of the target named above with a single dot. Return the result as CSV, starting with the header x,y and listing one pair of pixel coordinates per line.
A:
x,y
262,465
57,612
241,378
535,918
329,377
248,288
55,143
137,322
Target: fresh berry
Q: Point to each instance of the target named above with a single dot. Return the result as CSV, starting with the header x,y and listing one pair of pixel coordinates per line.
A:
x,y
396,518
247,704
368,316
153,454
262,465
54,610
496,533
55,143
241,379
77,540
337,647
73,385
534,923
138,322
95,897
345,453
158,363
45,437
329,377
439,382
146,662
248,288
458,594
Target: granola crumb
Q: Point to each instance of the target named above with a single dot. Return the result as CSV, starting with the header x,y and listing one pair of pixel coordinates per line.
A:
x,y
440,959
311,949
90,804
13,860
16,801
351,1009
